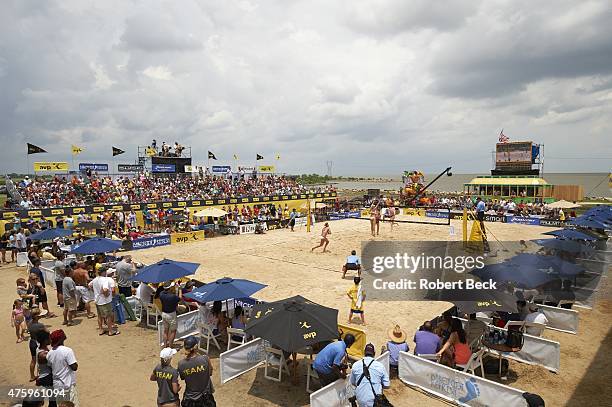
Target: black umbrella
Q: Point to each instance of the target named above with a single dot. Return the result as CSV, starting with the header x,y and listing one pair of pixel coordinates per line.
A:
x,y
293,323
472,301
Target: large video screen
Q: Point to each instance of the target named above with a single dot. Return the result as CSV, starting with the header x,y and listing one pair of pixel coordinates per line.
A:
x,y
517,154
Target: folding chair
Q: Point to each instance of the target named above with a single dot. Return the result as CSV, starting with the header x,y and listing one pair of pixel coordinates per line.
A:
x,y
206,335
474,363
138,307
275,359
153,312
429,356
233,333
311,374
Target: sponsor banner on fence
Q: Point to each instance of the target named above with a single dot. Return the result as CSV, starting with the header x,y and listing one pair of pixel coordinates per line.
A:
x,y
344,215
187,325
220,169
273,224
458,387
301,221
247,229
245,169
93,167
241,359
51,166
163,167
130,167
552,222
186,237
148,242
71,210
337,393
266,168
441,214
561,319
523,220
413,212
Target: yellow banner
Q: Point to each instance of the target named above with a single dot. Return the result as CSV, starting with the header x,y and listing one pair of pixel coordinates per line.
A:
x,y
414,212
266,168
187,237
355,351
51,166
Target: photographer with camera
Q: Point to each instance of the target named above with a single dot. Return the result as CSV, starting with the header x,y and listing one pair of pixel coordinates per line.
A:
x,y
369,378
329,362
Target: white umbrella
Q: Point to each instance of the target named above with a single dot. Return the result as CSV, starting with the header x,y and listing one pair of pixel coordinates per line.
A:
x,y
212,212
563,204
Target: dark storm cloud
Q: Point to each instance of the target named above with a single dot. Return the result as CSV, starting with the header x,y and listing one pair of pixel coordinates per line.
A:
x,y
493,57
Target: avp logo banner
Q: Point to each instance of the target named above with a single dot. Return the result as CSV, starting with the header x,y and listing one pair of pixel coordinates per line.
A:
x,y
187,237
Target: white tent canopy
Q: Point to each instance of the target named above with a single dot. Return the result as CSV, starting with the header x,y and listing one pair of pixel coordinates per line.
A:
x,y
563,204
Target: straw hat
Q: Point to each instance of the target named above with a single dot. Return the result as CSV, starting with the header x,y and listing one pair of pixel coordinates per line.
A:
x,y
396,334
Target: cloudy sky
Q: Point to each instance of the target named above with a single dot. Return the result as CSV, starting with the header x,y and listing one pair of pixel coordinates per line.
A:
x,y
374,86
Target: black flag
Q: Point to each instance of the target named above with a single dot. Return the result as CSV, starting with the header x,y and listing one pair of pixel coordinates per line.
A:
x,y
117,151
32,149
211,156
259,157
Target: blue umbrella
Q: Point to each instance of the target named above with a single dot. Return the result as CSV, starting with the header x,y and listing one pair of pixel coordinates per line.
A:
x,y
165,270
604,211
96,245
589,222
50,234
225,289
570,246
522,276
571,234
552,265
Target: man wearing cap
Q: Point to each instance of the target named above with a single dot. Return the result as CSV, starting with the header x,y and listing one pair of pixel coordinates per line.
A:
x,y
329,361
103,296
395,345
538,317
196,371
369,378
167,380
63,367
169,301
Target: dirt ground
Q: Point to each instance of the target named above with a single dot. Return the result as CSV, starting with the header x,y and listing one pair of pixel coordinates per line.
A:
x,y
114,371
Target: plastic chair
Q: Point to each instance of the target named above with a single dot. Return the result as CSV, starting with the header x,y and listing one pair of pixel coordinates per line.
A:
x,y
474,363
206,336
275,359
232,333
152,311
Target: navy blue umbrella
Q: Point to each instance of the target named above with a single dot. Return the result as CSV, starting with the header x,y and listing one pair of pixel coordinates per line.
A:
x,y
96,245
552,265
602,211
589,222
50,234
570,246
521,276
571,234
165,270
225,289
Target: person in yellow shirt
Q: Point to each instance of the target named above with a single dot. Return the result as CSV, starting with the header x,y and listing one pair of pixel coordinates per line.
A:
x,y
561,215
357,295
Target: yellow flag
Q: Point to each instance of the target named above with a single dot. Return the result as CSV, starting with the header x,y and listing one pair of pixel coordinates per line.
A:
x,y
76,150
235,157
278,156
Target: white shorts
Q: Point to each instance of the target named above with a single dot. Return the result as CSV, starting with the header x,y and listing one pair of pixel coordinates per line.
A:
x,y
84,294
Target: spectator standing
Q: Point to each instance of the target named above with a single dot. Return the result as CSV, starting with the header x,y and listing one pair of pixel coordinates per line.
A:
x,y
59,268
37,289
167,380
70,297
169,301
63,367
36,328
369,378
125,271
45,376
196,371
80,276
20,241
103,296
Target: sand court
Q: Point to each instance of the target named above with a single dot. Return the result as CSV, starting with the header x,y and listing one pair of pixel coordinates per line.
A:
x,y
283,260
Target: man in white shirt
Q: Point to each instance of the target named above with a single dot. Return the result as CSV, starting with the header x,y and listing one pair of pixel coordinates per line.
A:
x,y
20,241
536,316
63,367
103,296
